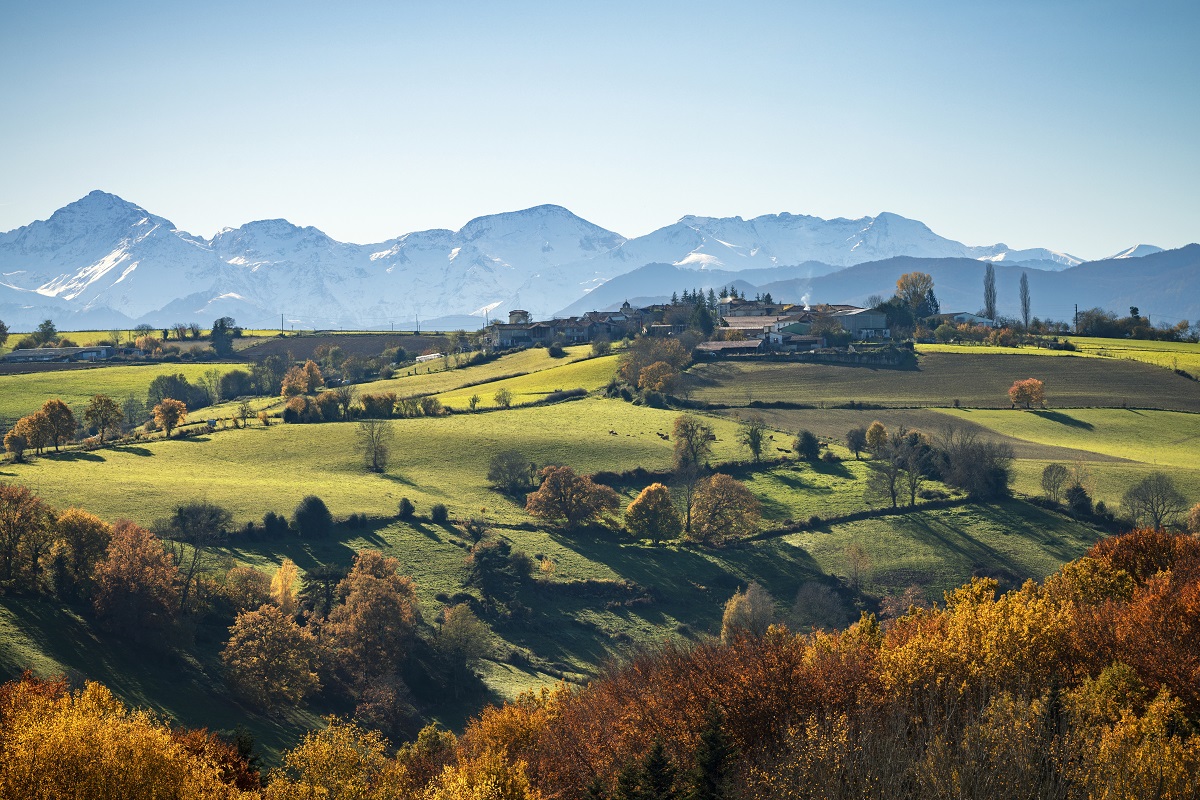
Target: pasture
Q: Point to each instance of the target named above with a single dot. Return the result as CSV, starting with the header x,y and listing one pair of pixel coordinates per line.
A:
x,y
1115,447
433,460
941,380
22,394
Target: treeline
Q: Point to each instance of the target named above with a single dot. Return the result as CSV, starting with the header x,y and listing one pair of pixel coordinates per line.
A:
x,y
353,637
1081,687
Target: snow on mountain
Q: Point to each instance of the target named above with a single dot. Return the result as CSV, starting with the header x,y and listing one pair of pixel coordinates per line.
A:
x,y
103,255
1137,251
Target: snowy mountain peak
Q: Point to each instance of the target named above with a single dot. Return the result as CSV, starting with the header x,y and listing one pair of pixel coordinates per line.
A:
x,y
1137,251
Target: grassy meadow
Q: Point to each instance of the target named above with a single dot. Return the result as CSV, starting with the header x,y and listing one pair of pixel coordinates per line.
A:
x,y
24,393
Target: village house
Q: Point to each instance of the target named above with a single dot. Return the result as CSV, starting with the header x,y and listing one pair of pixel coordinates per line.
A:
x,y
962,318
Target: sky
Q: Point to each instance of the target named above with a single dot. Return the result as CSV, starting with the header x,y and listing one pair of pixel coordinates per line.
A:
x,y
1069,124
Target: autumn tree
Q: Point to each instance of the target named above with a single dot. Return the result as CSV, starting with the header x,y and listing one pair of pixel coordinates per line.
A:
x,y
87,744
658,377
876,436
301,380
652,514
170,414
371,630
283,588
752,433
572,499
82,540
913,289
136,584
1154,501
747,612
341,760
723,509
647,351
1027,392
103,414
15,445
61,421
26,533
375,437
269,659
1193,519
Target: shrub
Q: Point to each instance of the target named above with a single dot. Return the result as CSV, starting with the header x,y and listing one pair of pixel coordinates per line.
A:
x,y
807,446
556,351
312,518
406,509
439,514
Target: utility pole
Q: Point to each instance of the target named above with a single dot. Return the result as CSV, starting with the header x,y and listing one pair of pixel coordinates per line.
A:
x,y
1077,319
281,323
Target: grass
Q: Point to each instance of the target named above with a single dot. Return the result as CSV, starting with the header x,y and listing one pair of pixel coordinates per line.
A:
x,y
433,460
435,377
589,375
23,394
973,380
1118,446
940,550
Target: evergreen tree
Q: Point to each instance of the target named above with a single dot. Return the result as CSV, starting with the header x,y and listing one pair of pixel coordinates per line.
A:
x,y
709,777
595,790
658,774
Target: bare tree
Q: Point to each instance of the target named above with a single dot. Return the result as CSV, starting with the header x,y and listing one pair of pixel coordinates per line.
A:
x,y
1054,477
375,436
345,395
693,446
1155,501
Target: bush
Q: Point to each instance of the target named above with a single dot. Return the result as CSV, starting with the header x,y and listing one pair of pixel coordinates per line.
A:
x,y
439,514
274,524
1078,500
406,509
312,518
807,446
556,351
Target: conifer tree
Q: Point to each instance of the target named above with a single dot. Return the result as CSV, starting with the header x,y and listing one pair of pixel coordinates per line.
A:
x,y
709,777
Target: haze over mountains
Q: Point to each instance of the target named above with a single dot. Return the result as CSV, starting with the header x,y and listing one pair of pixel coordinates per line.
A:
x,y
102,262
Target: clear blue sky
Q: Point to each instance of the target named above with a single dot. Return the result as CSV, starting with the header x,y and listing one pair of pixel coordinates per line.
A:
x,y
1073,125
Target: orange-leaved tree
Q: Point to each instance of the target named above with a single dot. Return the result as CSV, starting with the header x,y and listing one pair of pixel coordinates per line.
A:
x,y
1027,392
570,498
170,414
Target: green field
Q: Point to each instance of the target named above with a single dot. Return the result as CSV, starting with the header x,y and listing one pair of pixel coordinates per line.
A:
x,y
977,381
434,377
935,549
1118,446
22,394
434,460
590,375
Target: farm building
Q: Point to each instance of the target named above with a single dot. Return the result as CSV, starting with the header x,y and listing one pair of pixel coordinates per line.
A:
x,y
99,352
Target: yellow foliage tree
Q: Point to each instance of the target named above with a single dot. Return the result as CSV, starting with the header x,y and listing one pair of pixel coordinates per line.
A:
x,y
283,587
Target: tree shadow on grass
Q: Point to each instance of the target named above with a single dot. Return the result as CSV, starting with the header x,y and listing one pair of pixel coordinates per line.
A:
x,y
134,450
1064,419
73,456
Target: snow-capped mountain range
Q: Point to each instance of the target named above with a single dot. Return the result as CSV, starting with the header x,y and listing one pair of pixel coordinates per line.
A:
x,y
103,261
